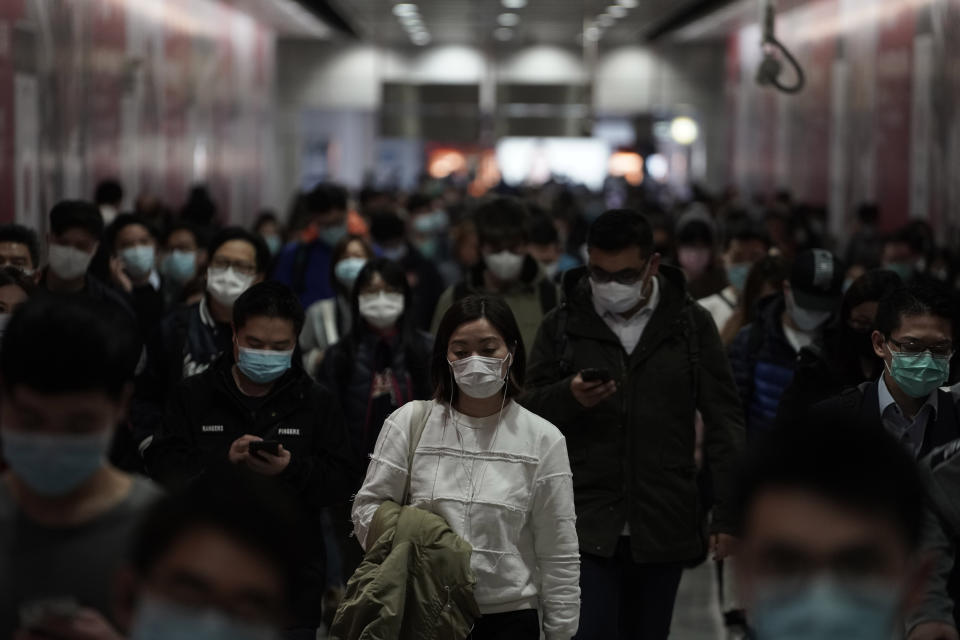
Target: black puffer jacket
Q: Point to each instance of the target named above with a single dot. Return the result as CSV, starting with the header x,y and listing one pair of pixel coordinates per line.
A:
x,y
374,378
632,456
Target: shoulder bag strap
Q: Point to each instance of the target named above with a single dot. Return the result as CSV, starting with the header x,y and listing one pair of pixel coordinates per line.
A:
x,y
418,422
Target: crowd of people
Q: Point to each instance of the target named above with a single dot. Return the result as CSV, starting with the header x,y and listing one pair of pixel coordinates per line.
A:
x,y
512,417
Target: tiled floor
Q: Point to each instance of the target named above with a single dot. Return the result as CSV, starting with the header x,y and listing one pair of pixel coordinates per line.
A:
x,y
697,613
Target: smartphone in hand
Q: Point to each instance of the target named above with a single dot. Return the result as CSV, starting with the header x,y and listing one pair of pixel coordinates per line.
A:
x,y
596,375
270,446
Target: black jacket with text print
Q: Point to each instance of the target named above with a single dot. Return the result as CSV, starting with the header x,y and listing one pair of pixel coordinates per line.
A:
x,y
206,413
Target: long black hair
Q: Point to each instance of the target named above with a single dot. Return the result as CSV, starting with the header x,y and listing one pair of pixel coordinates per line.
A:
x,y
417,359
464,311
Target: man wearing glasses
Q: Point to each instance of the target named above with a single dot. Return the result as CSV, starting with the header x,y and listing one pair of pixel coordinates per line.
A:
x,y
191,338
621,368
914,337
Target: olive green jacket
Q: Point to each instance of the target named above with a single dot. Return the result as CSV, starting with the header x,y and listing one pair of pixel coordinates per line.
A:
x,y
414,583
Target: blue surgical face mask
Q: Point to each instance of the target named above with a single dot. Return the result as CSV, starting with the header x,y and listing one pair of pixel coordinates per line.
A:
x,y
826,610
737,275
395,254
55,465
348,269
273,243
180,266
918,374
156,619
331,236
263,366
138,260
429,247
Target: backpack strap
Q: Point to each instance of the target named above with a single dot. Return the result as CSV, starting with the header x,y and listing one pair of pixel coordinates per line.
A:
x,y
418,422
548,295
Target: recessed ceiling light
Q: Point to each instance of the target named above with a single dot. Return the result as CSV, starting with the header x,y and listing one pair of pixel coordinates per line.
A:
x,y
409,21
514,4
508,19
617,11
605,20
503,34
592,34
405,9
420,38
629,4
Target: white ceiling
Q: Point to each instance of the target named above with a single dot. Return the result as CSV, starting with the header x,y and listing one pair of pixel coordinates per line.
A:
x,y
473,22
288,17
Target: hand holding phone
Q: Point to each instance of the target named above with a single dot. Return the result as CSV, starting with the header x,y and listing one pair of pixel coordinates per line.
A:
x,y
269,446
596,375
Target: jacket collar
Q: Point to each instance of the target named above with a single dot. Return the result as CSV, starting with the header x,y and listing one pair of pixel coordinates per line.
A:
x,y
585,322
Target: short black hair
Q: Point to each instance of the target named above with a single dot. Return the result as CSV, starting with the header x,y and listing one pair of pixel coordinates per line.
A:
x,y
502,221
242,506
543,231
239,233
265,217
618,229
123,221
920,298
19,234
108,191
696,232
69,343
269,299
418,201
201,238
744,229
14,276
870,287
466,310
73,214
386,225
856,466
325,197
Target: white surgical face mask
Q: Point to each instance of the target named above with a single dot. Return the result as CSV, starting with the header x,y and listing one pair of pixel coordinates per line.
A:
x,y
381,309
68,263
506,265
806,320
619,298
226,285
480,377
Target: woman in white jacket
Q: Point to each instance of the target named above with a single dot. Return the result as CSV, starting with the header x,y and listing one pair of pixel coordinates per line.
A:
x,y
498,474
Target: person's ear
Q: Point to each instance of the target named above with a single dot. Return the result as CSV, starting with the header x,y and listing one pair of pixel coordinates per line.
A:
x,y
654,264
878,344
258,279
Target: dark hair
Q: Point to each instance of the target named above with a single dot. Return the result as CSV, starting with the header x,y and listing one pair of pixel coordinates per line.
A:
x,y
265,217
325,197
543,231
73,214
418,201
108,191
386,225
182,225
868,212
695,232
858,467
68,343
200,209
120,223
502,221
464,311
14,276
338,252
270,299
745,230
417,361
239,233
870,287
618,229
235,502
923,297
19,234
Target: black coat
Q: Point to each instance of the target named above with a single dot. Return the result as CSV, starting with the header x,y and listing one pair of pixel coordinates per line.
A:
x,y
632,456
207,413
861,406
349,372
